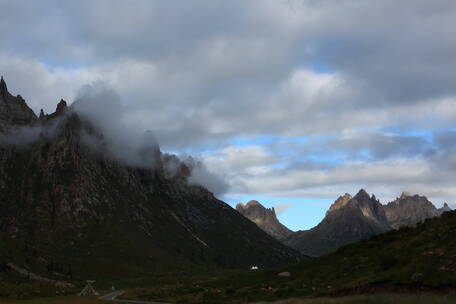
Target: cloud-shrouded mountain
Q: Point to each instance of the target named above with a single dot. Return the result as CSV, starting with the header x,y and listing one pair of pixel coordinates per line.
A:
x,y
265,218
71,200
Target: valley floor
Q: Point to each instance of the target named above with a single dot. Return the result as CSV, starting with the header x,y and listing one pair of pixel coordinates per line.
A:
x,y
361,299
377,299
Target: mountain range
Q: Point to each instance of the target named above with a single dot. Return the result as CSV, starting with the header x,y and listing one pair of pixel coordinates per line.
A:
x,y
68,205
349,219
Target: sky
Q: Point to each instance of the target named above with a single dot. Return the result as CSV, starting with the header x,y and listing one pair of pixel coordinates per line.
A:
x,y
290,102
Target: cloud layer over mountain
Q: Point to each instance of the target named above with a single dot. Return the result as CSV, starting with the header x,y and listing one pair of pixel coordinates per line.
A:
x,y
282,97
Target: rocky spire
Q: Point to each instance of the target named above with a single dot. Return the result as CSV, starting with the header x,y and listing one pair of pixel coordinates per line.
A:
x,y
445,208
265,218
3,87
340,202
61,107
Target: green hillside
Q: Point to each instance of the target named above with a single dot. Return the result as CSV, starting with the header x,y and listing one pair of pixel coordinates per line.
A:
x,y
407,260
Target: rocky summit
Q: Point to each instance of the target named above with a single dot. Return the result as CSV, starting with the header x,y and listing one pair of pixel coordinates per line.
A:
x,y
348,220
265,218
409,210
13,109
74,206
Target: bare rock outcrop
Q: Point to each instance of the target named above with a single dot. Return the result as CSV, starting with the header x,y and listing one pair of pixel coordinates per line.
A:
x,y
409,210
265,218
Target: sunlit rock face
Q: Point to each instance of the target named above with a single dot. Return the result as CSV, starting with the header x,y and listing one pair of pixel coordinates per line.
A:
x,y
349,219
265,218
409,210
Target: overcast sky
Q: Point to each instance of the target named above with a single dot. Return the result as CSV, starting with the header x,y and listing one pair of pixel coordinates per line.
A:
x,y
292,102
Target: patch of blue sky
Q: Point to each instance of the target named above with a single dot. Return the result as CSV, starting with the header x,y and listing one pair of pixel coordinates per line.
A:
x,y
303,214
426,134
254,140
320,66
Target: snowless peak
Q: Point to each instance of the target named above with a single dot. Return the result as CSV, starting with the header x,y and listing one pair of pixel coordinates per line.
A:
x,y
3,87
362,194
253,203
61,106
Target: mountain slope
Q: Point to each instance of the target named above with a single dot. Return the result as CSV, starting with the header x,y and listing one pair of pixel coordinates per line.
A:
x,y
348,220
72,204
416,260
265,218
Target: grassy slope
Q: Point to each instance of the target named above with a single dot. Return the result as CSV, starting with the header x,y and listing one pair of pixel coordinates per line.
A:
x,y
377,299
410,259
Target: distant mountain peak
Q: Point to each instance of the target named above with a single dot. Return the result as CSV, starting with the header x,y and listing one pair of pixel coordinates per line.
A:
x,y
408,210
444,208
348,219
253,203
362,194
61,106
340,202
264,217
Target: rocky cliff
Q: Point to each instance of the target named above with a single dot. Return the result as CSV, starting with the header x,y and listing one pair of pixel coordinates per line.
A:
x,y
13,109
444,208
408,210
348,220
265,218
71,203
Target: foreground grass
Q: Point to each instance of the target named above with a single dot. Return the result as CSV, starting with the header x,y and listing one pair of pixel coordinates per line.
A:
x,y
57,300
376,299
410,260
364,299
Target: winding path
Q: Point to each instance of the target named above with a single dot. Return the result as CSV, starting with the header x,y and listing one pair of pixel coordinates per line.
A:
x,y
113,297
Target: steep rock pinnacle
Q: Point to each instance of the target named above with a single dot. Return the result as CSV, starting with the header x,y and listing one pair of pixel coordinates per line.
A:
x,y
265,218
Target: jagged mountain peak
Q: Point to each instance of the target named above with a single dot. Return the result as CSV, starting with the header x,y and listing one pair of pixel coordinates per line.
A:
x,y
444,208
362,195
340,202
253,203
13,110
408,210
349,219
264,217
3,87
61,106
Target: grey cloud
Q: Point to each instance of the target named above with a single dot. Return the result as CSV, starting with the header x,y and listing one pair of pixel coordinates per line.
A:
x,y
219,70
381,145
204,73
25,135
103,108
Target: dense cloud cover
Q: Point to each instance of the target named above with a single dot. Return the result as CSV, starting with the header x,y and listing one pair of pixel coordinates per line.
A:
x,y
295,98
